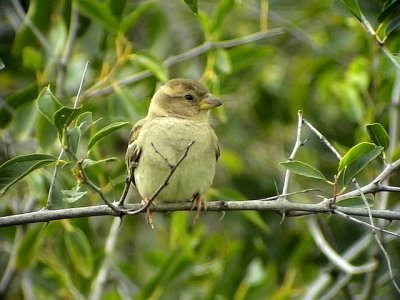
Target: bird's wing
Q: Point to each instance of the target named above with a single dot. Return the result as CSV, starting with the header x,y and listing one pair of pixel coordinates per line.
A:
x,y
133,152
216,143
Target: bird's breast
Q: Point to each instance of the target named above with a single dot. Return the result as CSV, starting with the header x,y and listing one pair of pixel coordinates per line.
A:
x,y
163,142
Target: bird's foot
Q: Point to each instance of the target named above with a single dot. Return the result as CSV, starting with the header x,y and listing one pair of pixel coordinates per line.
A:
x,y
199,204
149,214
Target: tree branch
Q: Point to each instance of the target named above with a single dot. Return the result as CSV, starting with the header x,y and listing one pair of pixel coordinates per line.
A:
x,y
172,60
218,206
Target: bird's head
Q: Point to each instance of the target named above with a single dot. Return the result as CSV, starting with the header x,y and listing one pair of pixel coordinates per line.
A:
x,y
183,98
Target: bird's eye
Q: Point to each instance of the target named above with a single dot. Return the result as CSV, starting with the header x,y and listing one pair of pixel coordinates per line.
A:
x,y
189,97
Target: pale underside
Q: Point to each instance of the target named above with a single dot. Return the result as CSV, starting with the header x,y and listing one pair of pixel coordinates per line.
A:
x,y
171,136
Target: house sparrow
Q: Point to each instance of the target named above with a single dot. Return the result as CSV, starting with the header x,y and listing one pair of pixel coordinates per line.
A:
x,y
178,118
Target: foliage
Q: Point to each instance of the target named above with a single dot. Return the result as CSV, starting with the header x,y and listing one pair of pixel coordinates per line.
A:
x,y
328,64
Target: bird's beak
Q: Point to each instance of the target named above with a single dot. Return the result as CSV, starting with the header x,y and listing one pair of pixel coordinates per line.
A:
x,y
209,102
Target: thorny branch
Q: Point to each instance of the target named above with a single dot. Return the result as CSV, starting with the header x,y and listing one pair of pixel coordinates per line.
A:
x,y
172,60
165,182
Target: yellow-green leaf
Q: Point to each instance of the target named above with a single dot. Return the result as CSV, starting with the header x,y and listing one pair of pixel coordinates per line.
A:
x,y
79,251
28,247
378,135
303,169
356,152
48,104
18,167
105,132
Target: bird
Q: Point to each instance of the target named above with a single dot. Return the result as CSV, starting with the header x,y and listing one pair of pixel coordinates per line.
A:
x,y
176,127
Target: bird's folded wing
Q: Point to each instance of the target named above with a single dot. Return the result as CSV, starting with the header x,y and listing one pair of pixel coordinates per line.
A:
x,y
216,142
133,152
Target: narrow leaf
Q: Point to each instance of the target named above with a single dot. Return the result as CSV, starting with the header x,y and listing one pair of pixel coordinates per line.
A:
x,y
18,167
153,64
89,162
303,169
356,201
133,17
73,194
354,8
223,61
79,251
221,11
355,153
357,165
378,135
48,104
393,25
74,136
15,100
63,117
104,132
100,12
388,8
192,4
28,248
84,121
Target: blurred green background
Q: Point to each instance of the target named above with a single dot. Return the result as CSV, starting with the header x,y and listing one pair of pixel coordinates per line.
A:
x,y
322,62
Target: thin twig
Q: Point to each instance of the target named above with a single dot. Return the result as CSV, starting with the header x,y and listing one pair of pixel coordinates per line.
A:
x,y
296,147
73,29
288,194
378,241
100,280
322,139
332,255
162,156
36,32
57,167
78,94
368,27
339,213
164,184
84,179
170,61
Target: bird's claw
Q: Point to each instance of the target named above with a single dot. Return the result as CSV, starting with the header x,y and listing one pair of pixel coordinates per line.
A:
x,y
149,214
199,204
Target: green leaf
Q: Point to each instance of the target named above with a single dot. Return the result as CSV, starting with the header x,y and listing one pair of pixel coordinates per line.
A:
x,y
74,136
192,4
48,104
350,99
357,152
151,63
223,61
46,133
14,101
303,169
221,11
354,8
133,17
28,247
32,58
73,194
100,12
89,162
356,159
356,201
393,25
18,167
63,117
104,132
388,8
84,121
79,251
378,135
